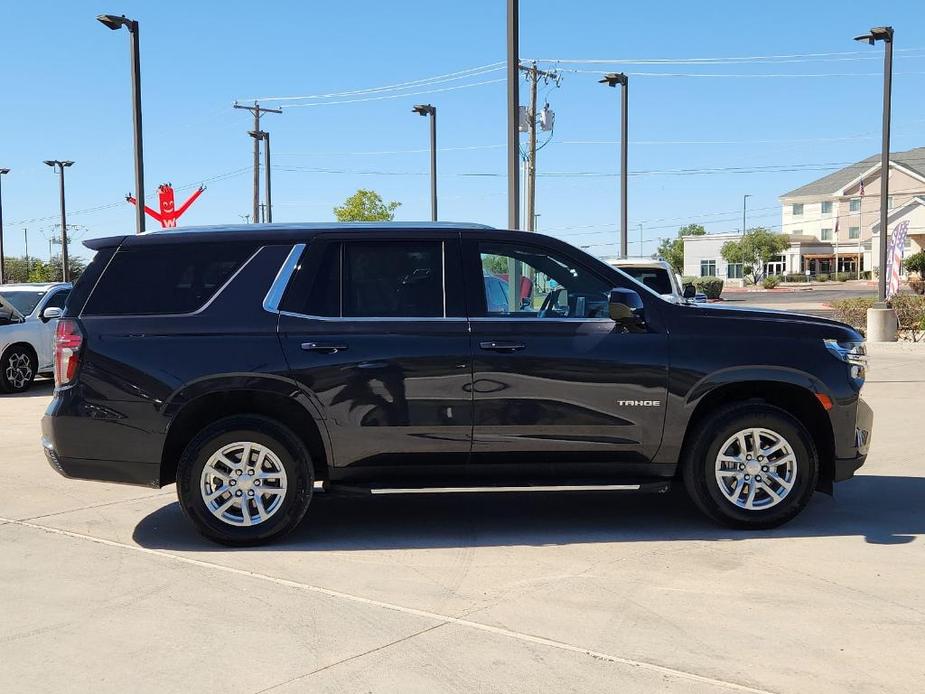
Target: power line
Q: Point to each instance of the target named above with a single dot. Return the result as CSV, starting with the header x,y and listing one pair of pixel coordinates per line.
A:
x,y
791,57
395,96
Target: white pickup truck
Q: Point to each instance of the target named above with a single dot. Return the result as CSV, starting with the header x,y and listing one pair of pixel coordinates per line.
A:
x,y
28,318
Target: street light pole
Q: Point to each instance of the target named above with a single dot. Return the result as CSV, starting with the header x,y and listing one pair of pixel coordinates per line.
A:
x,y
744,198
113,22
513,114
3,172
429,110
612,80
59,167
884,34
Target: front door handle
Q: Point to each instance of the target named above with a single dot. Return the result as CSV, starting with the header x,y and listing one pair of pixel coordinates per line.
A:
x,y
493,346
322,348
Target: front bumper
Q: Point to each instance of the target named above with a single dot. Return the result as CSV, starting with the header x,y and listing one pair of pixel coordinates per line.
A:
x,y
847,465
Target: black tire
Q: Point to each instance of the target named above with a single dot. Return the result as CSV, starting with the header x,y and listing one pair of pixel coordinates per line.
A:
x,y
699,465
17,369
287,449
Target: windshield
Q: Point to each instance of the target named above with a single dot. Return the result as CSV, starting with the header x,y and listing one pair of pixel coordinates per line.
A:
x,y
656,279
24,302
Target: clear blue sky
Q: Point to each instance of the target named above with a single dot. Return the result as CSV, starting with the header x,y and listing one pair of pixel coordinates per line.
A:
x,y
64,86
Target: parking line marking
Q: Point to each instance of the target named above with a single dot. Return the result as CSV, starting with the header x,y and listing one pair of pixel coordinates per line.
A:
x,y
425,614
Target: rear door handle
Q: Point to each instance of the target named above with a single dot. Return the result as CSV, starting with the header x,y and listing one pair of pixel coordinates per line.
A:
x,y
322,348
502,346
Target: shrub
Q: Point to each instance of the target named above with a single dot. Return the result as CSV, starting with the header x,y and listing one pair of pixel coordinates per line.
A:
x,y
917,285
770,282
689,279
910,311
822,277
915,263
795,277
711,286
842,276
865,275
853,311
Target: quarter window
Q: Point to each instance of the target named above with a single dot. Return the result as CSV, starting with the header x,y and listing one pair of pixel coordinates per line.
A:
x,y
526,282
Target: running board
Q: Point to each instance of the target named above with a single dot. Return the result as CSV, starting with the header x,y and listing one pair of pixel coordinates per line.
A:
x,y
659,487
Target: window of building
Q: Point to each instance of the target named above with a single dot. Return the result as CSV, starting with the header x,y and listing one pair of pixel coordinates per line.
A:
x,y
798,209
889,202
854,205
826,207
734,271
854,232
526,282
826,234
708,268
165,279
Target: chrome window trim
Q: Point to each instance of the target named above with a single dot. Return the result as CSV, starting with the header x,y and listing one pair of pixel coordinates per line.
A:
x,y
443,273
374,319
199,310
281,281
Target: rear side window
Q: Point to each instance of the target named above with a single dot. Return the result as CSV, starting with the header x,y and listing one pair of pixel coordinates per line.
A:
x,y
165,279
394,279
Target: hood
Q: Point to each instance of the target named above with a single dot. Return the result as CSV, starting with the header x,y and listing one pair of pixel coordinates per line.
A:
x,y
827,326
7,310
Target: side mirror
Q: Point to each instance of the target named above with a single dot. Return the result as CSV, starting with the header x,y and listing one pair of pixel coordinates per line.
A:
x,y
689,292
51,314
627,309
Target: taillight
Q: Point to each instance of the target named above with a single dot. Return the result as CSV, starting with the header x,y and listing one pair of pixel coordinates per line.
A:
x,y
68,341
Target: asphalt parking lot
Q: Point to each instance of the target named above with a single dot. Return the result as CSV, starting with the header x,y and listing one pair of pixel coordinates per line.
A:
x,y
107,588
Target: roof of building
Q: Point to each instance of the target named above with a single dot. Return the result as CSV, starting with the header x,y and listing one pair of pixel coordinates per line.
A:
x,y
913,159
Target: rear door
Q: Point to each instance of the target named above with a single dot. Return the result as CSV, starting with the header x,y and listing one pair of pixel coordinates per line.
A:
x,y
375,329
554,380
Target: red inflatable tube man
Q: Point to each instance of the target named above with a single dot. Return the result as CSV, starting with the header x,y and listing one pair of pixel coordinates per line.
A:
x,y
168,215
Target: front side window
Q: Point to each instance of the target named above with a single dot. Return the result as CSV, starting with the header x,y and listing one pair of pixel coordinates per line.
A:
x,y
826,234
854,205
854,232
798,209
708,268
527,282
826,207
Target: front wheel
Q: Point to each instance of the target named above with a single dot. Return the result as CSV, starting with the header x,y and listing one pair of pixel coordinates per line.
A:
x,y
245,480
17,369
751,466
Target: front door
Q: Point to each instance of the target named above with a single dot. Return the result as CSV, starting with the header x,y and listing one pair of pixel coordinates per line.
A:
x,y
555,380
375,331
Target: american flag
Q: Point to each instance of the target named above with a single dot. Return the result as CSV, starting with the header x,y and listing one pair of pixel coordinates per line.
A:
x,y
861,192
894,257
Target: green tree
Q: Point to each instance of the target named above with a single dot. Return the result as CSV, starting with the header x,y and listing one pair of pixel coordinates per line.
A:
x,y
672,250
916,263
366,206
755,248
41,270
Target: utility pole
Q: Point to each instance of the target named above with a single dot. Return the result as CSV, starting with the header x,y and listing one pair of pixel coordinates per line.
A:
x,y
266,174
513,114
641,254
3,172
533,74
612,80
25,236
257,110
59,167
744,198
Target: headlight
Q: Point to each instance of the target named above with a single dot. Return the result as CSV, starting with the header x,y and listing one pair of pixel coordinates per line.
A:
x,y
852,353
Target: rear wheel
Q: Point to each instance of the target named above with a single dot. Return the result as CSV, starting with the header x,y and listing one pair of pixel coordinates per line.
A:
x,y
751,466
17,369
245,480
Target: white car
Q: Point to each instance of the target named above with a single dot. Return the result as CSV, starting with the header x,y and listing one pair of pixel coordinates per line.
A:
x,y
28,318
658,276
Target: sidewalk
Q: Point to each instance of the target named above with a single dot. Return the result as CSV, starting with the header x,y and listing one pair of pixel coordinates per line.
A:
x,y
850,285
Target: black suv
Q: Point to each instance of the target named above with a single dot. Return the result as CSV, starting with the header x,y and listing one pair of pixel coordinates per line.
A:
x,y
247,363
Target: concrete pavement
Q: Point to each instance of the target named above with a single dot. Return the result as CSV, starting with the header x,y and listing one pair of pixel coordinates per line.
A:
x,y
107,588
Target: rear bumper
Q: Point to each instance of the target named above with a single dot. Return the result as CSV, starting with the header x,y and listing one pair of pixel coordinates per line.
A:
x,y
140,474
847,465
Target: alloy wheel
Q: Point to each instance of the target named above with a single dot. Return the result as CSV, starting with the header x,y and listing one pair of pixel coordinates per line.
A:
x,y
756,469
18,370
243,484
